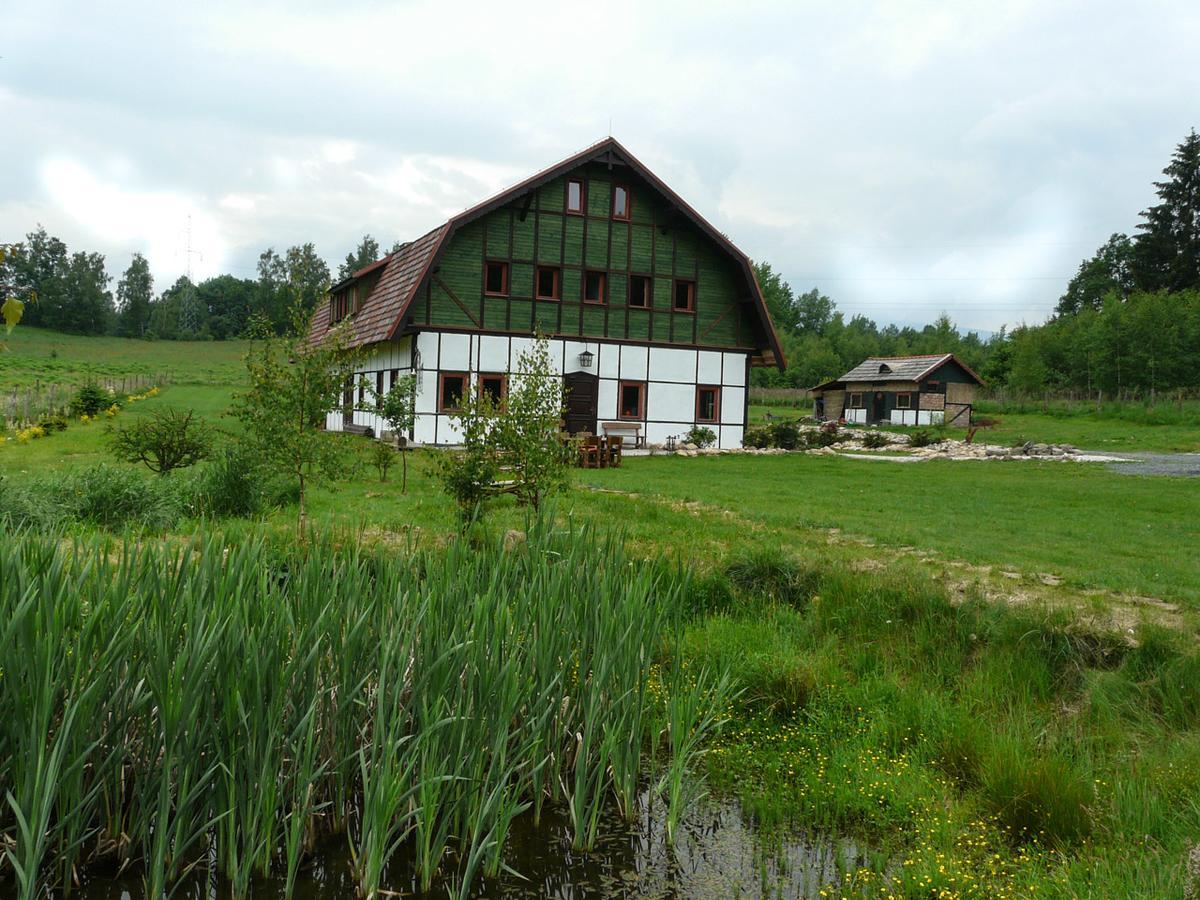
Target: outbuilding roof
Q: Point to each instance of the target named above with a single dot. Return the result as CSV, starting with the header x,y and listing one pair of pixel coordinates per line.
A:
x,y
382,314
898,368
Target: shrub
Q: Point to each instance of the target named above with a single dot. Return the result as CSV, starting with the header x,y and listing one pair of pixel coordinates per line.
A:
x,y
874,440
758,437
383,456
700,436
769,572
165,440
236,483
821,438
785,435
709,593
114,497
91,400
1042,798
922,437
49,423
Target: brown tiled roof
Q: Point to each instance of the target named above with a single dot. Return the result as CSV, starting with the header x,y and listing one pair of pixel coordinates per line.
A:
x,y
387,303
383,312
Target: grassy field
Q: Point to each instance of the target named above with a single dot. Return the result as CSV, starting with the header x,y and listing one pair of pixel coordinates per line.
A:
x,y
36,355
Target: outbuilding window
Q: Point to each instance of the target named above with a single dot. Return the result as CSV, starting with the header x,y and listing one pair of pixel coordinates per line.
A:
x,y
632,402
708,403
904,401
495,278
451,390
856,401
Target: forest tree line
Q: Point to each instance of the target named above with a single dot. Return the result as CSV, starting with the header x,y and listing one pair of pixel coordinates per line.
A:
x,y
1128,323
73,292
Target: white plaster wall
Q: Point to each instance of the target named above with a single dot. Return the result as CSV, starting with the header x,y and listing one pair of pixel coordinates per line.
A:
x,y
671,375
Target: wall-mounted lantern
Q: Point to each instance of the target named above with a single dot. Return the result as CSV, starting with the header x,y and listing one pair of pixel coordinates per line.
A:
x,y
585,359
416,359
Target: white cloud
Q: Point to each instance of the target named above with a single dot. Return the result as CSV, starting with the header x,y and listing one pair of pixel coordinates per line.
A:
x,y
907,157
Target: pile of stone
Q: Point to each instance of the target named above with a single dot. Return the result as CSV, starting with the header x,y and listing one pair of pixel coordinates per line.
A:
x,y
852,440
1029,448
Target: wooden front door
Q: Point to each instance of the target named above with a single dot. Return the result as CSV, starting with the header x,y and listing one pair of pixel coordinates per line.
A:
x,y
878,407
583,392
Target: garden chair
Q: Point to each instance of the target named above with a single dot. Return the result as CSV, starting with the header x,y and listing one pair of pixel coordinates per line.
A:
x,y
614,451
591,452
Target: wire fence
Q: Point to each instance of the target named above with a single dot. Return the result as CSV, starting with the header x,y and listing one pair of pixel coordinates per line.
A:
x,y
28,404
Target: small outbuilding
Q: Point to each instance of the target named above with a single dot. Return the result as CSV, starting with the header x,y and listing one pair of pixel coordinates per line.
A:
x,y
901,390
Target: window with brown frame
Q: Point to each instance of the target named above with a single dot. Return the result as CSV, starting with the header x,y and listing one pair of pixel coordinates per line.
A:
x,y
548,280
621,202
379,388
632,401
575,196
856,401
904,401
495,278
640,291
593,287
452,387
494,386
684,297
393,377
708,403
362,390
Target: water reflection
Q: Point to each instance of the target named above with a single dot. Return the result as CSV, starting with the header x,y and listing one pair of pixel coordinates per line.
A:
x,y
718,854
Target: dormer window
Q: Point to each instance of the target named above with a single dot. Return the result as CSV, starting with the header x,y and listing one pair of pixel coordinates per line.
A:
x,y
884,369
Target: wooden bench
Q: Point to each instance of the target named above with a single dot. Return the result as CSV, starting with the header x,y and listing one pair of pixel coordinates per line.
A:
x,y
631,430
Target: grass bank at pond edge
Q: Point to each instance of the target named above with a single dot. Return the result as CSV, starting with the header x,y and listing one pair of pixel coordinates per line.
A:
x,y
982,750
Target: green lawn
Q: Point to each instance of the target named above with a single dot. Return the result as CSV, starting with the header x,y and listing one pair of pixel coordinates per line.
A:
x,y
1091,526
1093,433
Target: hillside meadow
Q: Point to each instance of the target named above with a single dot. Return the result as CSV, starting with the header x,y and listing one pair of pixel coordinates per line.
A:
x,y
983,674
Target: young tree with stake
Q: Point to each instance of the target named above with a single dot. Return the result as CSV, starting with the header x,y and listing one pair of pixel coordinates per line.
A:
x,y
294,385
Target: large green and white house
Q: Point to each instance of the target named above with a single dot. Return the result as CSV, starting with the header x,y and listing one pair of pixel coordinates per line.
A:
x,y
654,316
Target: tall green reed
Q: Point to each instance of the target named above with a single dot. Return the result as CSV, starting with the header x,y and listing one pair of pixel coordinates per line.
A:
x,y
164,705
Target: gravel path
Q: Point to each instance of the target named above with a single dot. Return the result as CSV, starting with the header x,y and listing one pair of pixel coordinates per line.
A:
x,y
1185,465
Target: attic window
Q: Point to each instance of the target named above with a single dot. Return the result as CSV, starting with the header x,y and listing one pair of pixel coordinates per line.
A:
x,y
884,368
620,202
575,196
684,299
593,287
639,291
547,283
495,278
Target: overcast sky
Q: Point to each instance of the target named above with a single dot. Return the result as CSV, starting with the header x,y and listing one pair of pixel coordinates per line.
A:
x,y
905,158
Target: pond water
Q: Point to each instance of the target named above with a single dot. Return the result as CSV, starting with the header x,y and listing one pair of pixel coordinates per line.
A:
x,y
717,854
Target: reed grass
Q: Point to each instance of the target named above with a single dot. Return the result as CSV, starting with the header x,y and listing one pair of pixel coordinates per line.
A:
x,y
172,706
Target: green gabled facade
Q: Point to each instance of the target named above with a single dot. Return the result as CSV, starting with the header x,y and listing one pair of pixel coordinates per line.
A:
x,y
535,229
